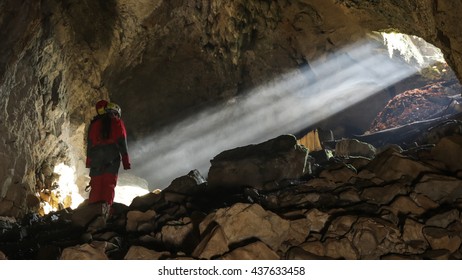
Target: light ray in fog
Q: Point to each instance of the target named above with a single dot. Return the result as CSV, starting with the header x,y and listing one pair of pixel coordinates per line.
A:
x,y
286,105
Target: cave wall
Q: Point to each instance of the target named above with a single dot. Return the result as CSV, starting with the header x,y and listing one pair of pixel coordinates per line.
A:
x,y
162,60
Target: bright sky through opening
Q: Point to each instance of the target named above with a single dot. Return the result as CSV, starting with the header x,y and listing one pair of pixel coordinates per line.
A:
x,y
286,105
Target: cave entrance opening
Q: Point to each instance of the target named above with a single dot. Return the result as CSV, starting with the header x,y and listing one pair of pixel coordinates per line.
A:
x,y
430,91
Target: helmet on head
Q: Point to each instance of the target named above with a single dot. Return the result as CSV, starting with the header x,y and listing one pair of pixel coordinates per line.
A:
x,y
114,108
101,107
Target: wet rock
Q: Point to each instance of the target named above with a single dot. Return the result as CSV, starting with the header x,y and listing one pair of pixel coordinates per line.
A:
x,y
254,165
93,251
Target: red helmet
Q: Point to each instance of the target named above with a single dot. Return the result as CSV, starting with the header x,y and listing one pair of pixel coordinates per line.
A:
x,y
101,107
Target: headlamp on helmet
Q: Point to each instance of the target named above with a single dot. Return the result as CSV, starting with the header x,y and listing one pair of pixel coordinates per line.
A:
x,y
114,108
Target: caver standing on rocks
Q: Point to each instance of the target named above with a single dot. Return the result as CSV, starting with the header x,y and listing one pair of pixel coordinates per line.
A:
x,y
106,147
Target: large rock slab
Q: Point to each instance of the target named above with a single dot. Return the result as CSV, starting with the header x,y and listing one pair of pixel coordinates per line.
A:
x,y
354,148
391,165
188,184
239,223
440,188
440,238
254,165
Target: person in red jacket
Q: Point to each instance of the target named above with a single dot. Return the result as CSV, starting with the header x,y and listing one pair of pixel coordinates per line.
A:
x,y
106,147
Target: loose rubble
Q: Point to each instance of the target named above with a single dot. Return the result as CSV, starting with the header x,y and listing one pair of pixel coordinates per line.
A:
x,y
366,203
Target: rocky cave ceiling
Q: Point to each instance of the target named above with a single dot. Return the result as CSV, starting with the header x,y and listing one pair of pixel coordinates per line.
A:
x,y
164,61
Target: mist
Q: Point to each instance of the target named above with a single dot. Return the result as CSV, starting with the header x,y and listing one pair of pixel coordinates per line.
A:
x,y
288,104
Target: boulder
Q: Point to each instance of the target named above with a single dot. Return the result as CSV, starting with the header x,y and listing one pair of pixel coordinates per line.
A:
x,y
440,188
93,251
242,222
87,213
255,165
136,218
213,244
144,203
188,184
443,220
175,233
391,166
354,148
440,238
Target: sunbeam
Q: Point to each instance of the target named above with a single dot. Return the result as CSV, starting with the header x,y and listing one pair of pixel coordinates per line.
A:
x,y
286,105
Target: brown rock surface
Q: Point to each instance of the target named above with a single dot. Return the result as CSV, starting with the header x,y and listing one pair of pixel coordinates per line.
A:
x,y
93,251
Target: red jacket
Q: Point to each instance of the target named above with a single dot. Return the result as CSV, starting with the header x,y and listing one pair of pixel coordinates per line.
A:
x,y
104,152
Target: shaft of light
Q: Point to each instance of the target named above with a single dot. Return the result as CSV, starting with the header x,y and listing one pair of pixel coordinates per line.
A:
x,y
285,105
